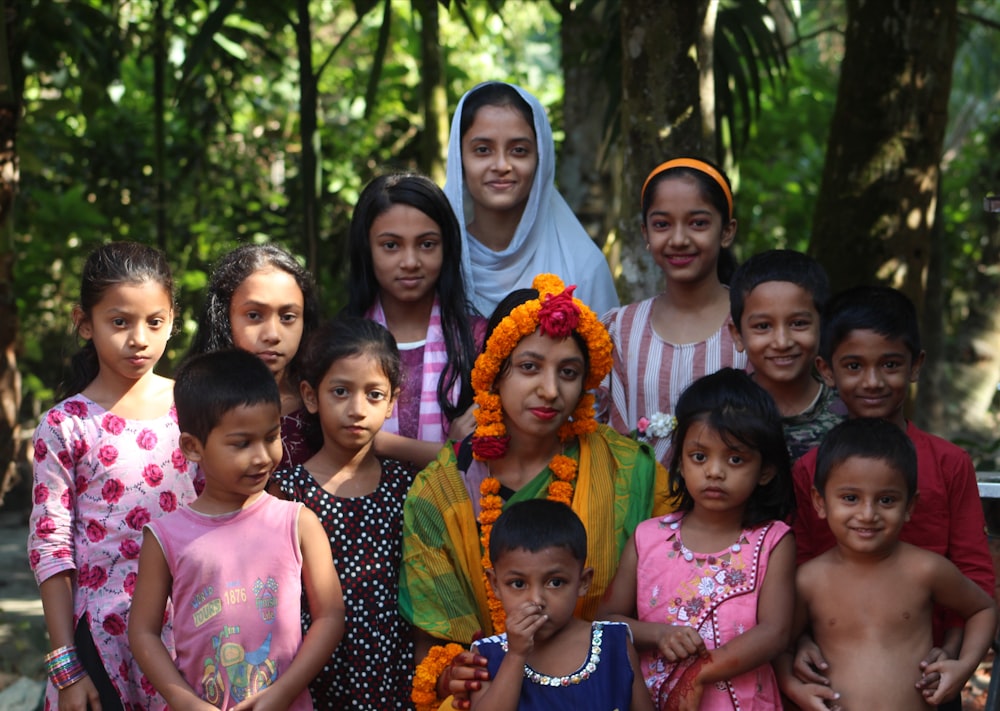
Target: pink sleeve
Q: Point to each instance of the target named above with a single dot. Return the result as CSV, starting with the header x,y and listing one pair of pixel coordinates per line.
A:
x,y
50,536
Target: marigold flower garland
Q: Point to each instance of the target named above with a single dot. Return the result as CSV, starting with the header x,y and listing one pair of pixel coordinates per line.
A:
x,y
557,313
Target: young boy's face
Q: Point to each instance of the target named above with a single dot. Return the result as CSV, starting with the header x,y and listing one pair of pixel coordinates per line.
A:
x,y
548,581
240,452
872,374
866,503
779,331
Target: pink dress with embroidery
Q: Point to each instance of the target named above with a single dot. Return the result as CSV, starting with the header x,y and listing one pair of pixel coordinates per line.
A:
x,y
714,593
98,479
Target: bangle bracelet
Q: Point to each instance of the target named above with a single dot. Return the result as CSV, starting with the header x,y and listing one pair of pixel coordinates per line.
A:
x,y
63,667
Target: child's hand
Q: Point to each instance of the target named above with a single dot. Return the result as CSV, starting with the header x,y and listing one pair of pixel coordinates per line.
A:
x,y
265,700
950,678
463,425
80,696
809,662
929,680
686,694
811,697
677,642
465,674
522,624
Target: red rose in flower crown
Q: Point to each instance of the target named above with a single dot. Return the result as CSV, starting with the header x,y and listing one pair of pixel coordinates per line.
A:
x,y
559,316
489,447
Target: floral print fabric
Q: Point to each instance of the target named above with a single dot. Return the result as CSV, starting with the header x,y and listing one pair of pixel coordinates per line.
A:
x,y
98,479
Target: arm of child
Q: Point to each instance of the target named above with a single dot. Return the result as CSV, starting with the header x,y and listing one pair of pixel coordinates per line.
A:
x,y
464,675
952,589
503,692
57,604
641,700
807,696
395,446
145,623
769,637
326,607
675,642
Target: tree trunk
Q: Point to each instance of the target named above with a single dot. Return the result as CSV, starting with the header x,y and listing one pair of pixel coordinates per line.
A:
x,y
876,206
433,94
308,103
584,175
11,82
661,115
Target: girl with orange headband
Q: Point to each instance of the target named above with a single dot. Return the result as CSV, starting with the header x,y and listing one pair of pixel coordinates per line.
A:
x,y
664,343
535,438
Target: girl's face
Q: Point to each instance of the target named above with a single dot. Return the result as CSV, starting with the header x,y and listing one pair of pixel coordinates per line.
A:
x,y
499,159
719,475
129,326
266,316
353,400
684,232
542,387
407,254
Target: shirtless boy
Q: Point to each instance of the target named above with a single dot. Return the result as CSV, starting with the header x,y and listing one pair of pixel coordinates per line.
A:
x,y
869,599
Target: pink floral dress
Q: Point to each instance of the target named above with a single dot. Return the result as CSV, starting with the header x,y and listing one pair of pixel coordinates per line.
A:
x,y
98,479
714,593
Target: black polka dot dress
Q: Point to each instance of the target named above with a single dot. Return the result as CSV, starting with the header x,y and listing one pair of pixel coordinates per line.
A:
x,y
372,669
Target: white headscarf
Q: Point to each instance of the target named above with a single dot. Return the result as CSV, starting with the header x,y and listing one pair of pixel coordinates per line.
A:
x,y
549,238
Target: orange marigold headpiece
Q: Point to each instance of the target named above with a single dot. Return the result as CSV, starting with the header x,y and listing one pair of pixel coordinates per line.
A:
x,y
556,313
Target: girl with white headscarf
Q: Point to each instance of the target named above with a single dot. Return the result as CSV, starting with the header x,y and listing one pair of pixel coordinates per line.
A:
x,y
515,224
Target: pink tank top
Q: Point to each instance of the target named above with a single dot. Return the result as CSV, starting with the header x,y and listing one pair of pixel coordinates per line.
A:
x,y
237,586
714,593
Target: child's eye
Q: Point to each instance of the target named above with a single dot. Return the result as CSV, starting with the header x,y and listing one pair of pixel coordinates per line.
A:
x,y
376,395
659,224
429,244
700,223
556,583
339,391
849,498
760,326
390,246
516,584
253,315
156,322
271,439
887,500
698,457
289,318
736,459
118,322
801,323
853,367
892,364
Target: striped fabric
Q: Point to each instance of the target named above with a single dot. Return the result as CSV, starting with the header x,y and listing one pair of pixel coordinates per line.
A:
x,y
649,374
433,425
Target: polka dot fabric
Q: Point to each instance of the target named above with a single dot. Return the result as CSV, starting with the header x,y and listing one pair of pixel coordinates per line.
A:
x,y
372,668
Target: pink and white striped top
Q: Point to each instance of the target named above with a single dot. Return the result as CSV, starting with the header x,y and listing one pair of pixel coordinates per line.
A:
x,y
649,374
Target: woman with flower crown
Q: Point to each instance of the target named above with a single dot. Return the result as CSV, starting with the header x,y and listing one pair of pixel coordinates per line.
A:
x,y
536,437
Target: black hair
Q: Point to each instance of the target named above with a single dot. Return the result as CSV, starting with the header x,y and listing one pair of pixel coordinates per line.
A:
x,y
537,524
882,309
110,265
345,337
778,265
867,438
209,385
712,193
215,329
503,310
744,414
493,93
422,193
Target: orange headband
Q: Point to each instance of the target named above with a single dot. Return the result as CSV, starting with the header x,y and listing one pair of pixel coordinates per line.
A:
x,y
699,165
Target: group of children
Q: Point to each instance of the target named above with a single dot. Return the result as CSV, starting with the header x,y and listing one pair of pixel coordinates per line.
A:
x,y
176,527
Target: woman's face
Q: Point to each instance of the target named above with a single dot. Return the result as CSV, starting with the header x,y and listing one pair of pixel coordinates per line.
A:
x,y
542,386
499,159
